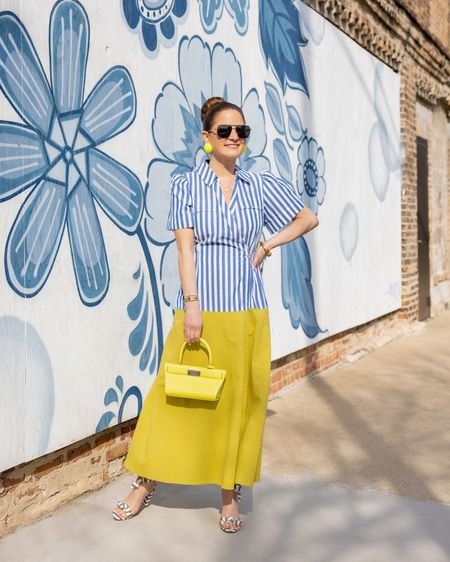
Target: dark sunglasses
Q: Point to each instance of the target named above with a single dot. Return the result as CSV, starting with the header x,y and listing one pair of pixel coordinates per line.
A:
x,y
224,131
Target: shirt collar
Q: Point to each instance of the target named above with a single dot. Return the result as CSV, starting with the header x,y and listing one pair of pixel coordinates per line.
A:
x,y
208,176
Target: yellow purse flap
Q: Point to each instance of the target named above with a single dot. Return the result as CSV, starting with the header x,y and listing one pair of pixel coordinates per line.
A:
x,y
195,370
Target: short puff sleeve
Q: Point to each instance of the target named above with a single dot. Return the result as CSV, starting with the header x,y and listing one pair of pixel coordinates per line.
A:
x,y
180,211
281,203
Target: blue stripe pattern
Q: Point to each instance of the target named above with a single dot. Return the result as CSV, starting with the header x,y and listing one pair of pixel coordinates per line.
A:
x,y
226,235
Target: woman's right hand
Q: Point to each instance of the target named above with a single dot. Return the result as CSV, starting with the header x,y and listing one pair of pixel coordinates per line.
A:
x,y
193,322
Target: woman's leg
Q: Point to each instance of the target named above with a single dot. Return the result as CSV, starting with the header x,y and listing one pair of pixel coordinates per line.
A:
x,y
136,497
230,507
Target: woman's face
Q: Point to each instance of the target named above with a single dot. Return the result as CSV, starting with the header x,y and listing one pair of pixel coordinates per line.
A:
x,y
231,147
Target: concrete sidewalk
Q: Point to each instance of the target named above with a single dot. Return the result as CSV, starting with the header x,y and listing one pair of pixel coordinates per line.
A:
x,y
356,468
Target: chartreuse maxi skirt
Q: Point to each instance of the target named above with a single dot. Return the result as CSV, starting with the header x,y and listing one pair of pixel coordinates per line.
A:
x,y
188,441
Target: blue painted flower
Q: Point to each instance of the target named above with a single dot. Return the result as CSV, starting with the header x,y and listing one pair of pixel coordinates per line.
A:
x,y
176,129
311,167
157,17
211,12
54,154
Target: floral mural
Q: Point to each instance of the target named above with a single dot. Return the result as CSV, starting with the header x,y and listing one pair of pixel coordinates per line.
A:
x,y
176,131
84,128
64,170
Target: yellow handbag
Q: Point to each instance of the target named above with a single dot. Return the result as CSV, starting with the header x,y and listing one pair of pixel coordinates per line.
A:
x,y
193,381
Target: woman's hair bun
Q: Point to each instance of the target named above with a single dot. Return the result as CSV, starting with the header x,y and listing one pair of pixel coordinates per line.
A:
x,y
209,104
212,107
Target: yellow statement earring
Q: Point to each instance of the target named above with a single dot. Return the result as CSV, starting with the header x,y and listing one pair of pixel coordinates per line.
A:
x,y
244,149
208,147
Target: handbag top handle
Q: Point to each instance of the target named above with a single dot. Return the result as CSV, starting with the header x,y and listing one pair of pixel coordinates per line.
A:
x,y
205,343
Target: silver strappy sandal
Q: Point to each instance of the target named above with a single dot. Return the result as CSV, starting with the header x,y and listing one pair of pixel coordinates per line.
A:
x,y
145,502
229,518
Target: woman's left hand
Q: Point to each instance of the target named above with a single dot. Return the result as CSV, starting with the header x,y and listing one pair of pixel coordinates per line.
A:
x,y
258,258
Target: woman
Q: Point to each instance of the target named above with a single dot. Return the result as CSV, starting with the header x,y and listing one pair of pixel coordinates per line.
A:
x,y
217,213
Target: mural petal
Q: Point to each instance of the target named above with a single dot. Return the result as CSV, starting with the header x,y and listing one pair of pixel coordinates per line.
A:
x,y
210,13
35,237
150,36
172,115
69,45
313,24
300,180
134,308
110,108
389,133
169,274
254,116
131,13
274,106
147,351
294,123
321,188
348,231
303,151
194,66
307,199
256,164
87,246
22,78
104,421
117,190
146,337
22,157
179,8
27,380
110,397
157,201
238,9
313,204
320,162
136,339
226,75
313,147
282,160
168,28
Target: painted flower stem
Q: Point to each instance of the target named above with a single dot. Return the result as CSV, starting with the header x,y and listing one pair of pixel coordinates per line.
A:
x,y
154,285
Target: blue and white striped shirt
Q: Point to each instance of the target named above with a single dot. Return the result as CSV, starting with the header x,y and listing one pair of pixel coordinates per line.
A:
x,y
226,236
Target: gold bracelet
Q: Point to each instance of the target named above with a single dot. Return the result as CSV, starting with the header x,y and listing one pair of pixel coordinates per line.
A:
x,y
189,298
266,251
